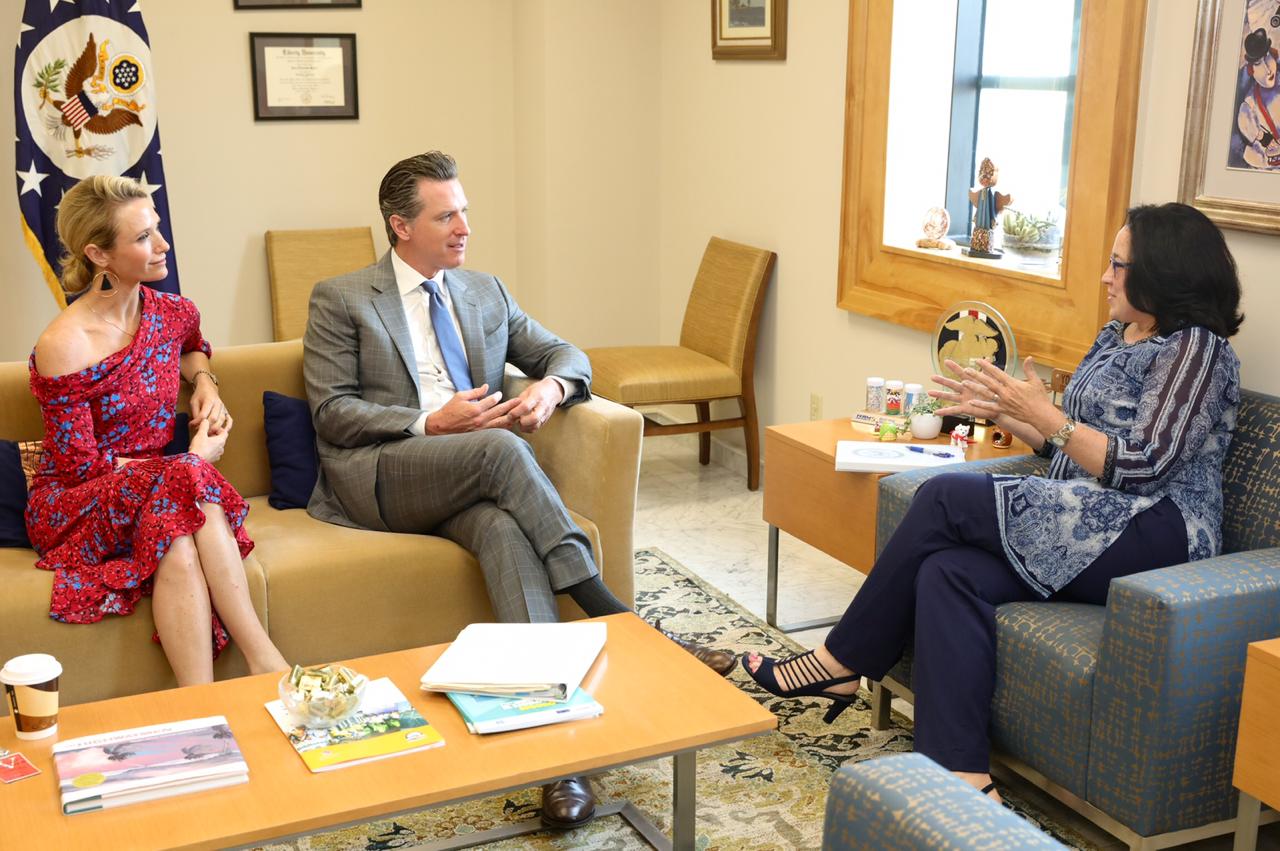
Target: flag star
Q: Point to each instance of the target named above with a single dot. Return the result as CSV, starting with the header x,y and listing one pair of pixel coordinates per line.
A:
x,y
22,28
136,8
54,3
31,180
149,187
60,199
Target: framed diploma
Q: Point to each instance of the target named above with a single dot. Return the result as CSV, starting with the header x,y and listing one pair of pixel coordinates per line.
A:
x,y
304,75
297,4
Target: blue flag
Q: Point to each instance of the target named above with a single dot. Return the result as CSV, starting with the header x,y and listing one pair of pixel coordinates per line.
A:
x,y
84,97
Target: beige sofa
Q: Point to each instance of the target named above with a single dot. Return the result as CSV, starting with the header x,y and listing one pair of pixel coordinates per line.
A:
x,y
324,592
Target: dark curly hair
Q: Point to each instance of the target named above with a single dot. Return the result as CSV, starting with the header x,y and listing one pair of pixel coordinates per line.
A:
x,y
1180,270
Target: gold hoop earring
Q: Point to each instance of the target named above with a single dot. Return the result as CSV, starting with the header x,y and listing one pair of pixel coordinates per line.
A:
x,y
108,290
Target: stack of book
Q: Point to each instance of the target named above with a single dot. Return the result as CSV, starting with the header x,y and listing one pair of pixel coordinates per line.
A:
x,y
385,725
146,763
515,676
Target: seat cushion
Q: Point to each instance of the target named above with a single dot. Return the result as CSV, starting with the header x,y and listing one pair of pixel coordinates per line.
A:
x,y
1042,709
649,375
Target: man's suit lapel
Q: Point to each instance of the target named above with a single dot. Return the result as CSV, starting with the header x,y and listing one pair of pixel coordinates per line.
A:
x,y
471,319
390,308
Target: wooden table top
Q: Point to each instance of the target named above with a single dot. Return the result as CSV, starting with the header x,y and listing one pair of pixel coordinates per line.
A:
x,y
658,700
819,438
1257,767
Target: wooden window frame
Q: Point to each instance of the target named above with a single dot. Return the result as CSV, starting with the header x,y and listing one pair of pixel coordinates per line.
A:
x,y
1055,319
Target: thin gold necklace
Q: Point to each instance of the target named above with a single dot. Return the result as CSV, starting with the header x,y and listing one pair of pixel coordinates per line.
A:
x,y
112,324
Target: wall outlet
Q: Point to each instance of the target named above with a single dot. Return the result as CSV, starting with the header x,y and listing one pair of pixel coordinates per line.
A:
x,y
815,406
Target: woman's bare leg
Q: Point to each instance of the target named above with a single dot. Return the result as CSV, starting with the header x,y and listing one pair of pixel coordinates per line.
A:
x,y
180,608
229,591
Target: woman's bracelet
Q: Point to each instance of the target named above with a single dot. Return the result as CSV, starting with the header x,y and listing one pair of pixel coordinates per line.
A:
x,y
200,372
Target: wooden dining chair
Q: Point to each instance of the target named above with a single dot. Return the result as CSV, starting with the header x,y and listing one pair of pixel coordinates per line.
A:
x,y
298,259
715,359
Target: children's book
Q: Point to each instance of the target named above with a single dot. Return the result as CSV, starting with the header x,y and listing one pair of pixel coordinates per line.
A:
x,y
485,714
385,725
146,763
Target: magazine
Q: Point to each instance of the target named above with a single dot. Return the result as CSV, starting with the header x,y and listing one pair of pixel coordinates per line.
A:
x,y
385,725
485,714
146,763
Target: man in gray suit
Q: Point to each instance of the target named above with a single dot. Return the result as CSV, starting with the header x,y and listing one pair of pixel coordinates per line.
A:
x,y
399,359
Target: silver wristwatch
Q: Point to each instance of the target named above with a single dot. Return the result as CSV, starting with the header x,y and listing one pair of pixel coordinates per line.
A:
x,y
1060,437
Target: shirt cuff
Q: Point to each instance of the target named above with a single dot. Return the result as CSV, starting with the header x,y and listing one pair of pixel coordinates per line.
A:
x,y
1046,450
569,387
1109,465
419,425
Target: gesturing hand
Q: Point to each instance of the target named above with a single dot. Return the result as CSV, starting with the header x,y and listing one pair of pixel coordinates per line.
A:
x,y
537,403
990,392
472,410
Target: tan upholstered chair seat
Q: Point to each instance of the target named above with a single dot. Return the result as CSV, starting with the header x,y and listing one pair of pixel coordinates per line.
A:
x,y
652,375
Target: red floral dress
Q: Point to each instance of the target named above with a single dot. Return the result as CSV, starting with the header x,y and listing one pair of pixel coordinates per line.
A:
x,y
103,530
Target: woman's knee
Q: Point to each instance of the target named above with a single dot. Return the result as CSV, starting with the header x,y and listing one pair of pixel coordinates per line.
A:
x,y
181,558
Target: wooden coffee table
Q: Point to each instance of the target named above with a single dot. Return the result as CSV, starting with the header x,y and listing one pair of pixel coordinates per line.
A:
x,y
659,701
1257,769
805,497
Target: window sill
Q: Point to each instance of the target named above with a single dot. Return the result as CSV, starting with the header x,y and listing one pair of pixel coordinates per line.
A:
x,y
1035,267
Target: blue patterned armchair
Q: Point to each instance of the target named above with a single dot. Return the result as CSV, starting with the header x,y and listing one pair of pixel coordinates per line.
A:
x,y
1128,712
907,802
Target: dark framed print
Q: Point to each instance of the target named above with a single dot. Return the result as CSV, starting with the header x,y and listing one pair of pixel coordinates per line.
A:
x,y
304,75
297,4
748,29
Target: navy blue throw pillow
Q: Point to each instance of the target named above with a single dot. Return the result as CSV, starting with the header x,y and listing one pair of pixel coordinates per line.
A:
x,y
291,450
13,497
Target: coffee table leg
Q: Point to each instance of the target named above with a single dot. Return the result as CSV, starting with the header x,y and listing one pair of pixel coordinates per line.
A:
x,y
1247,823
771,586
684,800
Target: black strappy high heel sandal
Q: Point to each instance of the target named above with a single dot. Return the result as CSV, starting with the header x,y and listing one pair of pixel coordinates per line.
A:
x,y
812,680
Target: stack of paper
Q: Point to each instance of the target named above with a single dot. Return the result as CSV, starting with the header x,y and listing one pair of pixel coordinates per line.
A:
x,y
499,714
145,763
867,456
546,660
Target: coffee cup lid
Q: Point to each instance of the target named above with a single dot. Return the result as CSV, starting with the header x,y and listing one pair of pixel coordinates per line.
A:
x,y
30,669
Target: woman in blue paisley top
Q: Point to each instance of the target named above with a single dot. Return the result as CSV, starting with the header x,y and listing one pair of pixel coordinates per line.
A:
x,y
1134,483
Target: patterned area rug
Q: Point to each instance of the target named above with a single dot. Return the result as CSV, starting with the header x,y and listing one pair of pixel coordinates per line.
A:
x,y
768,792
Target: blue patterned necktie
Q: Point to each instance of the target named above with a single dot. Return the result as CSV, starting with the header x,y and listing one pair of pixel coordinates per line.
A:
x,y
455,359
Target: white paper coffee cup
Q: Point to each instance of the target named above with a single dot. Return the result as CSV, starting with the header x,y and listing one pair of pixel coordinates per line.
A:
x,y
31,683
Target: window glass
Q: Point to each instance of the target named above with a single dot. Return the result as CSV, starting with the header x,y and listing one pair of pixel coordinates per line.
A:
x,y
1021,131
1028,39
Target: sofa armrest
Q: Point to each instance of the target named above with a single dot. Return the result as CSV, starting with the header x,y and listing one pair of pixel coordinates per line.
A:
x,y
895,491
591,453
908,801
1166,698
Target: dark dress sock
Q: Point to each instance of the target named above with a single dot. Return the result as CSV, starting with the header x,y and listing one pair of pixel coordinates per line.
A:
x,y
594,598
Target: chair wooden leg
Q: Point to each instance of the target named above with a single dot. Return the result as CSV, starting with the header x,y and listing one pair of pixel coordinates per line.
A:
x,y
751,436
704,438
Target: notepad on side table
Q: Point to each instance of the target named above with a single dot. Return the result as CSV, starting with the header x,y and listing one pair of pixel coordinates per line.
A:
x,y
866,456
518,659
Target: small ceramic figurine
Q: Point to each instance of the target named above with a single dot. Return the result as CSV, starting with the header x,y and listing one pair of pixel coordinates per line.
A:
x,y
960,436
888,430
987,203
936,223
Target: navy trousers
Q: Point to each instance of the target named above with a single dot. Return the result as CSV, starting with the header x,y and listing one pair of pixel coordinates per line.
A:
x,y
940,578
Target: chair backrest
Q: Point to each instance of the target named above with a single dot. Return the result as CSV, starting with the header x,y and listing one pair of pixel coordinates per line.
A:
x,y
298,259
723,313
1251,476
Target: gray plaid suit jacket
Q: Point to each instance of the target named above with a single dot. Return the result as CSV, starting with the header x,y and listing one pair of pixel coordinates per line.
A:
x,y
361,373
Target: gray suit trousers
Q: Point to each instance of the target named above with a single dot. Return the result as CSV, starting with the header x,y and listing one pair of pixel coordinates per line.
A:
x,y
485,491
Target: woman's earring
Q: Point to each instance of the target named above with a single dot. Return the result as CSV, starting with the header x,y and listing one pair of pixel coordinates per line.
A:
x,y
107,290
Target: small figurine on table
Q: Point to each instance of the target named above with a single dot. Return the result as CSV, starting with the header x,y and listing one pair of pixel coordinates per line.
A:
x,y
887,430
960,436
988,203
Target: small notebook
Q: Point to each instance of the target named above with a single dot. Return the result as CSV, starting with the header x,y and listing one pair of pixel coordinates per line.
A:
x,y
518,659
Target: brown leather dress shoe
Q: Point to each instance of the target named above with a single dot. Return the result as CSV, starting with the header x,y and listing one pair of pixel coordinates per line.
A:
x,y
717,660
568,803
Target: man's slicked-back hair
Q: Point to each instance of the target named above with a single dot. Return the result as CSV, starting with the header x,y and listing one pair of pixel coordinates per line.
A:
x,y
398,193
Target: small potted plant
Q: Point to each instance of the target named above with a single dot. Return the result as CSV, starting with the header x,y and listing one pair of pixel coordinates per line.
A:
x,y
923,419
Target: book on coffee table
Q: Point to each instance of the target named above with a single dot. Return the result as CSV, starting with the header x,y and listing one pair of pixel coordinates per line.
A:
x,y
485,714
518,659
146,763
385,725
868,456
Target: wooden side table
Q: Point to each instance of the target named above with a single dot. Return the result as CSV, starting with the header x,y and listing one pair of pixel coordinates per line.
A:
x,y
1257,773
805,497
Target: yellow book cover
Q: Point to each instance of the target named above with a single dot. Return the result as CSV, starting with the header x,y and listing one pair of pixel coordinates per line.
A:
x,y
385,725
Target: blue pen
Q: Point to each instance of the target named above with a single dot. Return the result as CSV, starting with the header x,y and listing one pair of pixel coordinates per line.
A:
x,y
924,451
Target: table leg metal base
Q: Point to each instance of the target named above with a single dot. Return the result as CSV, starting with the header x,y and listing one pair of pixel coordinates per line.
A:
x,y
771,595
638,820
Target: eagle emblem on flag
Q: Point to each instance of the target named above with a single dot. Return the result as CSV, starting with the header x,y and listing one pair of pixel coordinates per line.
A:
x,y
98,89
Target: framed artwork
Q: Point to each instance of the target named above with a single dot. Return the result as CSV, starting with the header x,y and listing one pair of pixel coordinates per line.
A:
x,y
297,4
304,75
748,29
1230,150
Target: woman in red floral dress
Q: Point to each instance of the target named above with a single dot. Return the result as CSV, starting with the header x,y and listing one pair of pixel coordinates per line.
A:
x,y
113,518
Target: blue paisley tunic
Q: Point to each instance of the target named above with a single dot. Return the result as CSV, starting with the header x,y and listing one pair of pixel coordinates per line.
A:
x,y
1168,408
103,529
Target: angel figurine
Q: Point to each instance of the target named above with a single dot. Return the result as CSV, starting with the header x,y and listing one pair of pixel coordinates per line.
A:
x,y
987,204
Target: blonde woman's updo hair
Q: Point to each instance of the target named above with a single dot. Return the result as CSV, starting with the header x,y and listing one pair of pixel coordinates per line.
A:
x,y
87,216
